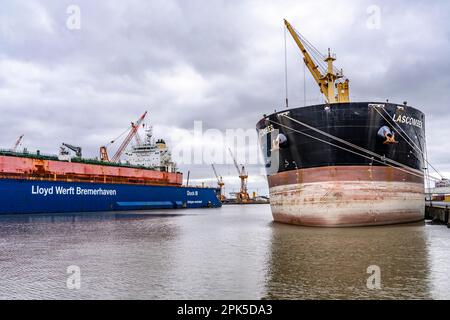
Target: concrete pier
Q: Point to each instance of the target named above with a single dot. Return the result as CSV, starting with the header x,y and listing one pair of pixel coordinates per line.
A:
x,y
438,212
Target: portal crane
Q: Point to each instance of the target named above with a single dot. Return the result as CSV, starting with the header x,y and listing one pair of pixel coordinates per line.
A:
x,y
104,154
220,183
132,133
326,75
75,149
242,196
17,143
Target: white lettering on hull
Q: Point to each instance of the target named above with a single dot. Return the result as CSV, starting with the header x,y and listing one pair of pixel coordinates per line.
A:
x,y
64,191
195,201
407,120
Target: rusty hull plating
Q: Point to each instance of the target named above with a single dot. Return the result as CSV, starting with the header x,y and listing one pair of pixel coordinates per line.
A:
x,y
44,169
314,183
346,196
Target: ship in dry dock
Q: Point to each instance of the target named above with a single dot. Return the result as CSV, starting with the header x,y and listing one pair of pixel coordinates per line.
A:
x,y
66,183
343,163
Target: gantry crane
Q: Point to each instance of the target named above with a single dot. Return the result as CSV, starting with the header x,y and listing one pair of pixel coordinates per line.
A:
x,y
132,133
242,196
17,143
220,183
326,75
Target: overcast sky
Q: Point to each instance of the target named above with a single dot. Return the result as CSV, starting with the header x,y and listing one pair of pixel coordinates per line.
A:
x,y
221,62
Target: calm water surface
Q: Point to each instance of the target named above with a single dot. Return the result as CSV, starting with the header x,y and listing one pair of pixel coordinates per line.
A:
x,y
235,252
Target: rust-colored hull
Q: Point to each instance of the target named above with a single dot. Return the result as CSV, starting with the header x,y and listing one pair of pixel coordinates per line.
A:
x,y
341,196
33,168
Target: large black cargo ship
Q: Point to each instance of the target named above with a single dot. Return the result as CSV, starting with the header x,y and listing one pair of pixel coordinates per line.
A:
x,y
343,163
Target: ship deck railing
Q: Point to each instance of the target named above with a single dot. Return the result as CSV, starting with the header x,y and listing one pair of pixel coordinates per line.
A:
x,y
43,156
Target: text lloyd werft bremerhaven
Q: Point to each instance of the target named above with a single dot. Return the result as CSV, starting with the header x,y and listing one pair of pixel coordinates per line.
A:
x,y
60,190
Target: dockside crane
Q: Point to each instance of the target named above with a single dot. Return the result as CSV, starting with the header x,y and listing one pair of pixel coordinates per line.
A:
x,y
104,154
242,196
75,149
132,133
332,82
220,183
17,143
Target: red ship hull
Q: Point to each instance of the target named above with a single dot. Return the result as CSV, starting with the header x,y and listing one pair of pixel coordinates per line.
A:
x,y
35,168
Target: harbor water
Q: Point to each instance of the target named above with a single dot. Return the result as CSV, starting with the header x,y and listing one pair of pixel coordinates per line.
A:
x,y
233,252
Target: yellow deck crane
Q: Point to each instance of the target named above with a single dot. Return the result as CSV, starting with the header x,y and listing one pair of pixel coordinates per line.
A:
x,y
242,196
332,83
220,183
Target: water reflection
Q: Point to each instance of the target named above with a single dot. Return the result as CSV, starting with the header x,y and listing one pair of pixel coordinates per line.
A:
x,y
234,252
85,217
316,263
115,254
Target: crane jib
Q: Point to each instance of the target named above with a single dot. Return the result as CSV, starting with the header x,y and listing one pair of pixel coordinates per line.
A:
x,y
322,69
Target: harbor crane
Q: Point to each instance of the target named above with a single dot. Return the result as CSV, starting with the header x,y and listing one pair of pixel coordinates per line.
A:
x,y
104,154
17,143
242,196
220,183
132,133
75,149
329,78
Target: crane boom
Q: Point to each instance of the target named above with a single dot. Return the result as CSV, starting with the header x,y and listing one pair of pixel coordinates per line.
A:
x,y
75,149
131,134
18,141
215,172
137,137
235,162
309,62
220,183
327,82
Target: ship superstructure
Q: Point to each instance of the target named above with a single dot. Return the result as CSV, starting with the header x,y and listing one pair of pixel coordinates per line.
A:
x,y
151,153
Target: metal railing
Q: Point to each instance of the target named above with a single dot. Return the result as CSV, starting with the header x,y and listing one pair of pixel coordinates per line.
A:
x,y
43,156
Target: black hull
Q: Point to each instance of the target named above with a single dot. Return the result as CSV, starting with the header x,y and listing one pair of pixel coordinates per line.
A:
x,y
354,122
317,180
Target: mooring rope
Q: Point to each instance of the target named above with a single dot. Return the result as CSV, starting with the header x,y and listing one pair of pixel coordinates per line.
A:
x,y
352,145
407,170
414,146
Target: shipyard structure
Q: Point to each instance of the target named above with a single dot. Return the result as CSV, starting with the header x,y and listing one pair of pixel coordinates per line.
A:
x,y
146,179
343,163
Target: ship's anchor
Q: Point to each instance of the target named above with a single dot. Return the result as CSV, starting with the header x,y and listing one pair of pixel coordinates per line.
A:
x,y
388,135
390,139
